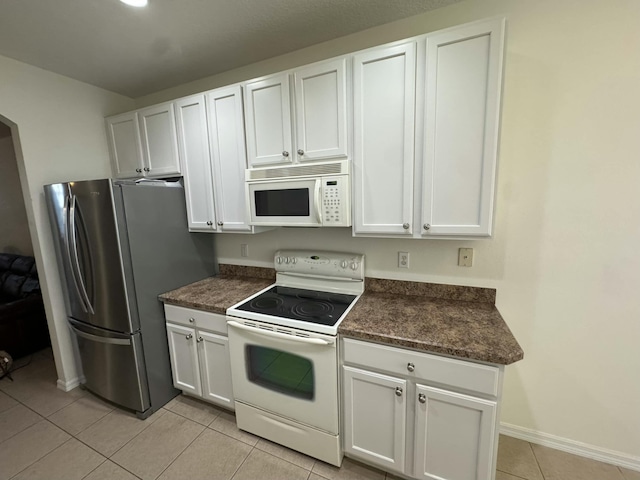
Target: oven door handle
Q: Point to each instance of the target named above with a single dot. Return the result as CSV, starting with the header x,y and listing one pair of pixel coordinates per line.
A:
x,y
283,336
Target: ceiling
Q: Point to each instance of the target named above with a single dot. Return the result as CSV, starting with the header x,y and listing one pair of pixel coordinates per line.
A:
x,y
138,51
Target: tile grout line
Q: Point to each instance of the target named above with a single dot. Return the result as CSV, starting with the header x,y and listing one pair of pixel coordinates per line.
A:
x,y
102,463
243,461
40,458
537,461
513,474
133,438
183,450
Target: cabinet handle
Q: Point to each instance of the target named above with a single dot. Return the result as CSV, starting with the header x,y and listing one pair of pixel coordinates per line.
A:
x,y
191,320
188,337
300,152
406,226
398,391
147,169
426,226
220,224
285,154
209,223
422,398
139,170
199,339
411,367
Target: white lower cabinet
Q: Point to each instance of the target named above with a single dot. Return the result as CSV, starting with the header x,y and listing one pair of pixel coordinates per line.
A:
x,y
375,417
199,353
420,415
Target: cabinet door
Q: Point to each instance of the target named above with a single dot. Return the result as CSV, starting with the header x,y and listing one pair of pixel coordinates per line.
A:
x,y
215,368
463,84
384,115
374,418
184,359
321,111
124,145
268,118
455,434
226,130
159,140
193,145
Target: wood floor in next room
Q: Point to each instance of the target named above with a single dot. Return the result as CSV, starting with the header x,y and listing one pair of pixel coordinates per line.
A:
x,y
49,434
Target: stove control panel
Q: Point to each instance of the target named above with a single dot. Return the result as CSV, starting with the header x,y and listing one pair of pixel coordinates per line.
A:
x,y
321,263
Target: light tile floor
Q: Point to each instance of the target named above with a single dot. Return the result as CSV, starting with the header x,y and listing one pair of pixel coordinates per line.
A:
x,y
48,434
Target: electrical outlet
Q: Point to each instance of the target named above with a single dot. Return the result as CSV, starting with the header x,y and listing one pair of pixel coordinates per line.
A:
x,y
403,259
465,257
244,250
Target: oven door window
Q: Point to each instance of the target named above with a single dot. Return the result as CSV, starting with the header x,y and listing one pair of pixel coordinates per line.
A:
x,y
289,202
280,371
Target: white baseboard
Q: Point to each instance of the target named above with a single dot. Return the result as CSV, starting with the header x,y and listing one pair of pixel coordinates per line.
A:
x,y
571,446
69,384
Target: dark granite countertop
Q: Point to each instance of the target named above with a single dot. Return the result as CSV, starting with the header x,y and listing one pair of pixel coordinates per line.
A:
x,y
216,294
445,319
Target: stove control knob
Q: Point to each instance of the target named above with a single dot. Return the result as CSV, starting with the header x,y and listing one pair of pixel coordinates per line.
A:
x,y
287,259
294,260
354,266
278,259
344,264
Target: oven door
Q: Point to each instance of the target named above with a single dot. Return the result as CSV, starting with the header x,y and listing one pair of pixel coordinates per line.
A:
x,y
275,369
295,203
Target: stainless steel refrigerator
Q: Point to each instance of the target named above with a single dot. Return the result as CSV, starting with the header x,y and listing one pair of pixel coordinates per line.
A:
x,y
119,245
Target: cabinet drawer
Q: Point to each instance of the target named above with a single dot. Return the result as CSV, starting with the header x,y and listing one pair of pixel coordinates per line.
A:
x,y
459,374
212,322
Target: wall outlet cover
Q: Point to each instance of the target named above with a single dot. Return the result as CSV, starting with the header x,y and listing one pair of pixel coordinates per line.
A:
x,y
403,259
465,257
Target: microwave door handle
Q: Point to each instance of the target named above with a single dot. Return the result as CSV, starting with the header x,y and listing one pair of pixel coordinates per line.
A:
x,y
283,336
318,200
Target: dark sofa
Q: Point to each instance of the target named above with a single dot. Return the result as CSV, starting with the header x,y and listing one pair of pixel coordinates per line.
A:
x,y
23,325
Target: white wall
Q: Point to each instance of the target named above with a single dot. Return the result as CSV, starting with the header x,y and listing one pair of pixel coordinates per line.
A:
x,y
567,221
58,130
14,234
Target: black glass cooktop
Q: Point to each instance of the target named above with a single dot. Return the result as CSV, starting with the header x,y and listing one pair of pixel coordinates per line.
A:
x,y
297,304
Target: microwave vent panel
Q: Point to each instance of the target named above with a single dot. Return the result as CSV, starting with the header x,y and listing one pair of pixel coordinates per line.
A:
x,y
297,171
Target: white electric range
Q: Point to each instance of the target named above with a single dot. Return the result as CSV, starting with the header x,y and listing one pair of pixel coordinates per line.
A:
x,y
283,349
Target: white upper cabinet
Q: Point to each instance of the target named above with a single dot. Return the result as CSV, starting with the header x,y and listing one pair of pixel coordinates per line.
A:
x,y
159,140
226,136
211,145
124,145
462,107
144,143
319,109
268,117
383,153
193,145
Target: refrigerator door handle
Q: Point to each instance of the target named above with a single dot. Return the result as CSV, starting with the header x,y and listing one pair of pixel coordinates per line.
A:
x,y
74,256
96,338
68,235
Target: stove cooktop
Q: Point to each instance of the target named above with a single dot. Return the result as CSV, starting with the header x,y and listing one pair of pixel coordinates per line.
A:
x,y
321,308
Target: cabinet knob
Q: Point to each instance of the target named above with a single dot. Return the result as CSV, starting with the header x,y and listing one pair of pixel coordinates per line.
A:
x,y
285,154
426,226
406,226
191,320
188,337
147,169
422,398
300,152
220,224
199,339
209,223
411,367
398,391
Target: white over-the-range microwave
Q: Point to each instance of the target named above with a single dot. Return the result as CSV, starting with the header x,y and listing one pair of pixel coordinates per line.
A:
x,y
315,195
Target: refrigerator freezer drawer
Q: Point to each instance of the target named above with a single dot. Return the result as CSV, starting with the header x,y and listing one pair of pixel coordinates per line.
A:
x,y
113,366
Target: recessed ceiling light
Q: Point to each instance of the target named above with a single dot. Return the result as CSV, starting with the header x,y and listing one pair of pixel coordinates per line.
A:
x,y
135,3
